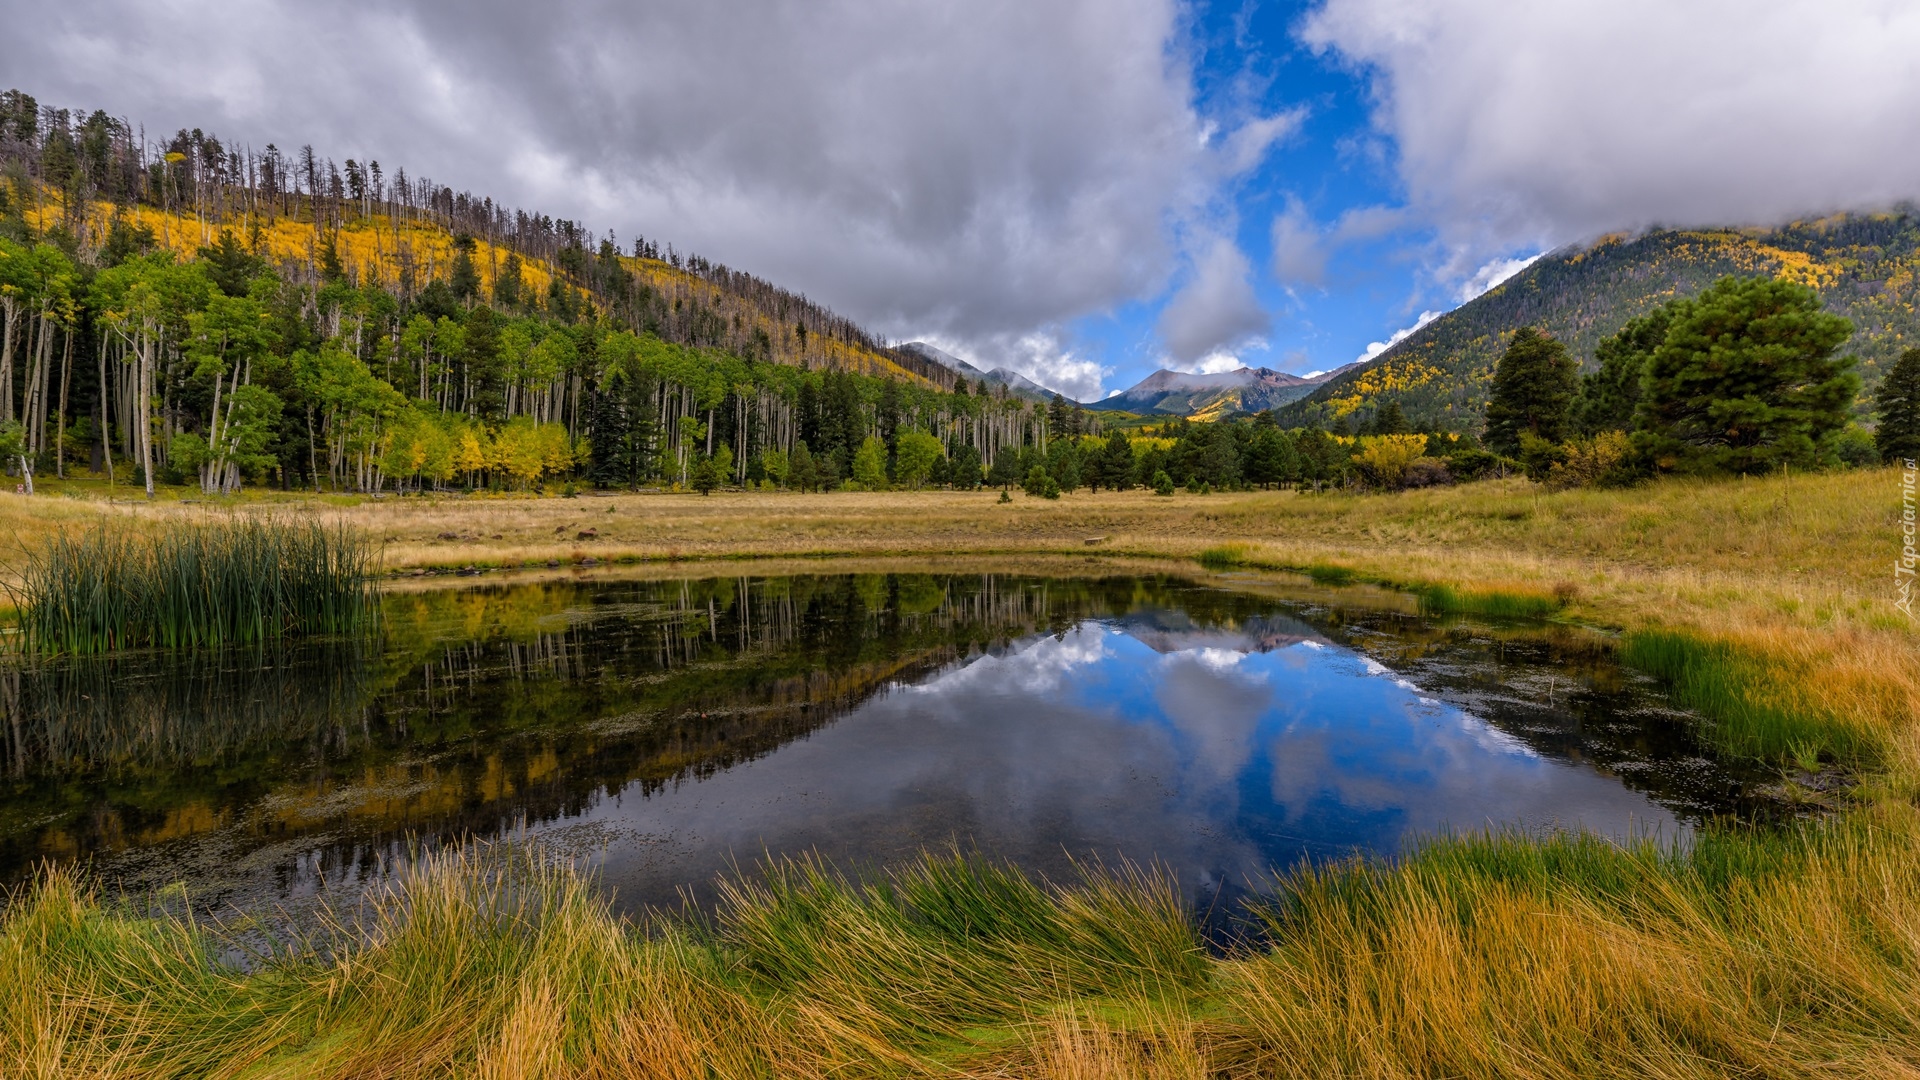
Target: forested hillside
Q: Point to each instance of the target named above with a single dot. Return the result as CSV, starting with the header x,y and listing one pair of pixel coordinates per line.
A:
x,y
1863,266
234,315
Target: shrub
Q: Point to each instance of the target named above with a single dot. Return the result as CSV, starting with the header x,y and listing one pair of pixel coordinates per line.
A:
x,y
1601,461
1539,456
1427,472
1473,463
1383,459
1162,483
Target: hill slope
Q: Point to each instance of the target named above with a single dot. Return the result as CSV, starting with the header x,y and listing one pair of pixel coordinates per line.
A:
x,y
82,175
1865,267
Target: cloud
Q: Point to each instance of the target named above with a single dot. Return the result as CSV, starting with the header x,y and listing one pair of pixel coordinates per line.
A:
x,y
1520,124
1212,363
1040,355
1493,273
977,172
1377,347
1299,250
1216,308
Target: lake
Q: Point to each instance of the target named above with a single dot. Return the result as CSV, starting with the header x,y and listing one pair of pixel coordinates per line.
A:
x,y
667,731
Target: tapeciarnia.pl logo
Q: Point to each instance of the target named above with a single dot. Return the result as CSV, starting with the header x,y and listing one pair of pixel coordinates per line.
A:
x,y
1903,570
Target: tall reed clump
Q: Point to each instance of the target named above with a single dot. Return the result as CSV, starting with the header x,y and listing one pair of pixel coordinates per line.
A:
x,y
245,581
1493,603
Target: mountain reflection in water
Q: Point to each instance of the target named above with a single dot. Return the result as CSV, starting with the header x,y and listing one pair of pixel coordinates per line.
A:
x,y
667,731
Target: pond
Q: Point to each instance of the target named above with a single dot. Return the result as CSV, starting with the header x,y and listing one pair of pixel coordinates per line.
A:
x,y
666,731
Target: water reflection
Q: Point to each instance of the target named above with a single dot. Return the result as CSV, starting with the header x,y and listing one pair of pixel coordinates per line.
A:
x,y
669,729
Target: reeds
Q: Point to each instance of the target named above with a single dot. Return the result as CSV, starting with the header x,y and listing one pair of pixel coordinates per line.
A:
x,y
243,581
1225,556
1742,953
1493,603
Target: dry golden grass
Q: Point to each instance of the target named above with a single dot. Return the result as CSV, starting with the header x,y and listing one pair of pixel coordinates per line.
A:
x,y
1765,954
1750,956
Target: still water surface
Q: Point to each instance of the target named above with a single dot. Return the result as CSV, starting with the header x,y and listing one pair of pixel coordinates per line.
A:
x,y
665,732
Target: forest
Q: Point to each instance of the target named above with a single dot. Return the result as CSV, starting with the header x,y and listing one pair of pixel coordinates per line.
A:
x,y
190,312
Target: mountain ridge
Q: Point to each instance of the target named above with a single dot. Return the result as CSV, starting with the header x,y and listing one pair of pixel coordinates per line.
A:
x,y
1014,382
1865,267
1212,395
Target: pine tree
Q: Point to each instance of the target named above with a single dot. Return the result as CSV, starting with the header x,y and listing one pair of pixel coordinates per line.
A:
x,y
1116,462
1897,404
1533,387
1745,381
1390,420
465,278
1609,396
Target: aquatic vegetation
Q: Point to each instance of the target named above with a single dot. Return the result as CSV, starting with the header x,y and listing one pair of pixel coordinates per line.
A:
x,y
1474,957
1494,603
241,581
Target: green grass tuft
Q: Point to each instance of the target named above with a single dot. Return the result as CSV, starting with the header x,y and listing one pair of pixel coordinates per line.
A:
x,y
1225,556
1719,682
1331,574
1494,603
240,582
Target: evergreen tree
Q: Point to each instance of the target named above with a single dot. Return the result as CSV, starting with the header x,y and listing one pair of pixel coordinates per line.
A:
x,y
706,476
1116,462
506,290
1897,404
330,268
1745,381
1390,420
1270,458
465,278
802,473
1533,386
233,268
963,469
1609,396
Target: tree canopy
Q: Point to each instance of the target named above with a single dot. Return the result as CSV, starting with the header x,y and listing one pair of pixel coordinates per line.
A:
x,y
1745,380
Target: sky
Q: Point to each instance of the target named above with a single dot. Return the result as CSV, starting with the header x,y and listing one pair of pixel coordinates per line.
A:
x,y
1082,190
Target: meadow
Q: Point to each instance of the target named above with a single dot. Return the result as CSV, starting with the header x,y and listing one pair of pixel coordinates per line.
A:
x,y
1768,604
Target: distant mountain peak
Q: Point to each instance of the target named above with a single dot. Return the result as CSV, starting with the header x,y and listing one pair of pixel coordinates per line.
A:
x,y
1014,382
1207,395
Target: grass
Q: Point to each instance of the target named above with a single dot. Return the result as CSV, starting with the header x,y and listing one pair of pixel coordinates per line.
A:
x,y
1766,604
1775,954
1494,603
194,585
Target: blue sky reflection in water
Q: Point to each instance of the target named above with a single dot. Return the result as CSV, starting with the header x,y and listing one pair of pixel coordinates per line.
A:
x,y
667,731
1220,754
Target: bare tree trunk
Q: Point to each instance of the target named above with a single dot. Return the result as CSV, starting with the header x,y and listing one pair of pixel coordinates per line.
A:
x,y
106,425
60,436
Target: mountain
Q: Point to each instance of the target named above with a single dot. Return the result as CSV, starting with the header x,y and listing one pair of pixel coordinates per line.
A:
x,y
1864,266
1211,396
1016,384
81,176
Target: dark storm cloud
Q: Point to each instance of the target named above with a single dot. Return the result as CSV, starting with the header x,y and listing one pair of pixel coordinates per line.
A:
x,y
979,171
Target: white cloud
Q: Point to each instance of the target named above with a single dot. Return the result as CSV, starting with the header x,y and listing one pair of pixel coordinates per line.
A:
x,y
1493,273
1530,124
1040,355
1216,308
1299,248
1377,347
